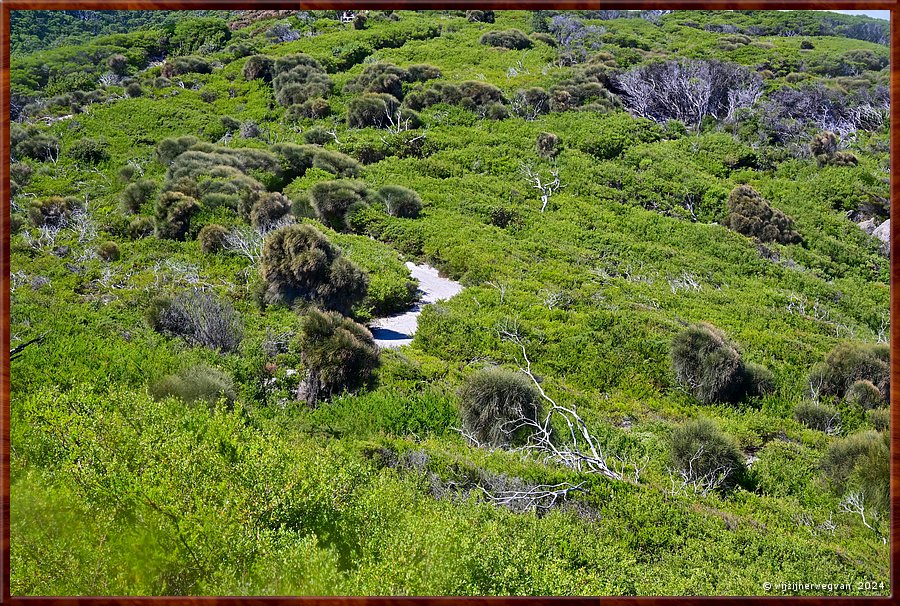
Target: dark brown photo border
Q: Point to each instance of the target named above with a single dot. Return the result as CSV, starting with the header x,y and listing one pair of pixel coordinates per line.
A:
x,y
9,5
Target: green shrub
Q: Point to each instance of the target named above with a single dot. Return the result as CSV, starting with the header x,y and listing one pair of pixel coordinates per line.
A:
x,y
379,78
108,251
317,136
311,108
421,73
545,38
880,418
185,65
372,109
117,64
134,90
169,149
400,202
136,194
509,38
860,462
54,211
299,263
806,45
818,416
174,211
864,394
703,454
824,148
212,237
198,317
270,208
332,200
848,363
339,355
198,383
758,379
89,151
784,469
494,403
258,67
751,215
480,16
474,94
140,227
334,162
548,145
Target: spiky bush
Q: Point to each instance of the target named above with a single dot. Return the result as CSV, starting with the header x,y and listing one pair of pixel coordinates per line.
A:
x,y
140,227
198,317
89,151
479,94
439,92
312,109
338,353
548,145
422,72
751,215
134,90
818,416
710,367
174,211
299,78
860,462
705,455
371,109
109,251
317,136
117,63
200,383
865,394
332,200
271,207
185,65
258,67
824,148
379,78
848,363
509,38
400,201
494,402
169,149
212,237
54,211
136,194
298,263
338,164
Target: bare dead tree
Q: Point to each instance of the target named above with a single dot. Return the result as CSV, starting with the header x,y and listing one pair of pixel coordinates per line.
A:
x,y
855,503
540,498
546,185
248,242
691,480
16,351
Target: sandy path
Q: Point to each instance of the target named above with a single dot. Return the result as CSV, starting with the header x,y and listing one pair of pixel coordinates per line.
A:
x,y
396,331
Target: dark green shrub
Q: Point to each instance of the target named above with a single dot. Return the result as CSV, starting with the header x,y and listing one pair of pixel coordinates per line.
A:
x,y
136,194
300,85
480,16
422,72
502,217
509,38
134,90
140,227
384,78
288,62
371,109
109,251
824,148
185,65
270,208
818,416
806,45
54,211
547,145
312,108
258,67
439,92
751,215
212,237
531,103
331,200
169,149
545,38
496,111
198,317
336,163
494,402
707,365
400,202
848,363
117,64
860,462
299,263
865,394
880,418
198,383
90,151
479,94
704,455
31,142
317,136
174,211
20,172
339,355
758,380
230,124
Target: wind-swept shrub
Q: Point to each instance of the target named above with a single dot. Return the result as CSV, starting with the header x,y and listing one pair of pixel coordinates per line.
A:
x,y
494,402
422,72
880,418
711,369
299,78
212,237
379,78
299,263
140,227
198,317
480,16
174,211
169,149
269,209
136,194
818,416
848,363
439,92
704,455
338,164
312,109
476,94
509,38
824,148
200,383
31,142
339,355
371,109
860,461
333,200
400,201
134,90
750,214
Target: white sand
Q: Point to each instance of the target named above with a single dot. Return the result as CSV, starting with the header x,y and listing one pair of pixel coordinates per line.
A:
x,y
396,331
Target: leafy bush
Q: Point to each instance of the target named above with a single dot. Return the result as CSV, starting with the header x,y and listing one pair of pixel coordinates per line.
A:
x,y
848,363
860,461
509,38
818,416
174,211
711,368
339,355
699,450
400,202
199,317
548,145
299,263
864,394
333,200
212,237
751,215
317,136
89,151
198,383
136,194
108,251
493,401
